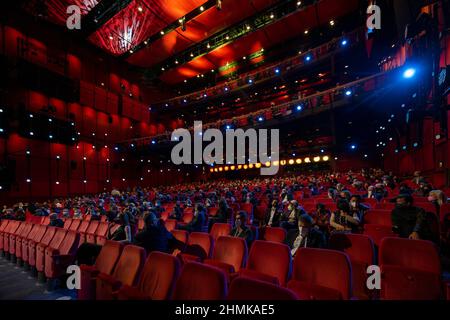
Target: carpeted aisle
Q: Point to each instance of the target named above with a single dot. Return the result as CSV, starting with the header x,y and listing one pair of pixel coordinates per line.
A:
x,y
17,284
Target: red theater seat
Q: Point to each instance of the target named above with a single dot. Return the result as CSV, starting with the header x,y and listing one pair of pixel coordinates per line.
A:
x,y
199,245
360,249
100,234
268,261
10,230
20,241
411,269
127,272
220,229
170,224
89,235
379,217
22,231
321,274
58,259
105,263
229,254
82,229
32,246
180,235
275,234
53,244
378,232
35,238
75,225
157,280
200,282
67,223
250,289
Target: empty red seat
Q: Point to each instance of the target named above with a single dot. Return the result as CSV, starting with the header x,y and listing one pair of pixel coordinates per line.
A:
x,y
275,234
82,229
188,215
41,247
58,259
20,240
200,244
22,231
75,225
100,234
127,272
380,217
212,211
36,238
157,280
9,230
45,220
200,282
32,245
220,229
250,289
247,207
105,263
230,254
67,223
268,261
170,224
90,232
321,274
360,249
378,232
180,235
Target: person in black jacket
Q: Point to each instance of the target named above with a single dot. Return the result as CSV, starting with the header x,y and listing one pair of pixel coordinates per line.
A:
x,y
221,216
273,214
55,221
240,229
154,237
409,221
306,235
199,220
177,212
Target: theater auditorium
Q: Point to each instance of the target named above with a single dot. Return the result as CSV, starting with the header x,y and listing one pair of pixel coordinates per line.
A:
x,y
224,150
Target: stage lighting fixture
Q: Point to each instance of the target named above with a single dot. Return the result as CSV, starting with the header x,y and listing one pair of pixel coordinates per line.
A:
x,y
277,71
299,108
250,81
326,158
153,142
1,130
353,147
28,180
409,73
260,119
344,42
348,93
308,58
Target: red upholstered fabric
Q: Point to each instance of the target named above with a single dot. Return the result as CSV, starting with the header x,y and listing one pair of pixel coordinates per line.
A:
x,y
170,224
420,255
310,291
380,217
126,272
157,280
105,263
48,236
220,229
250,289
230,251
75,224
270,258
200,282
403,283
54,244
36,237
378,232
321,268
359,247
180,235
200,244
275,234
19,241
58,259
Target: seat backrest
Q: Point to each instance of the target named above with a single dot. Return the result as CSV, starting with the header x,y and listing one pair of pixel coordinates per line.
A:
x,y
275,234
380,217
12,227
48,236
161,270
70,243
41,230
34,229
421,255
26,230
188,215
3,225
67,223
170,224
57,238
75,224
93,227
109,254
231,250
45,220
180,235
270,258
203,241
19,229
243,288
323,267
83,226
220,229
200,282
102,229
359,247
130,264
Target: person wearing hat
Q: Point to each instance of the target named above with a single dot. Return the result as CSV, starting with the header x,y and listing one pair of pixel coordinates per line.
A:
x,y
409,221
55,221
305,235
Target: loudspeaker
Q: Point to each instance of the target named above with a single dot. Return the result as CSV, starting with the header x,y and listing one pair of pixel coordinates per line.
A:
x,y
73,164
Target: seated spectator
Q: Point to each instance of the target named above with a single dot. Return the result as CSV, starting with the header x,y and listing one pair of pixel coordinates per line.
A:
x,y
222,214
289,219
356,207
342,220
305,235
154,237
322,218
240,229
409,221
424,189
177,212
273,214
199,220
123,233
55,221
438,198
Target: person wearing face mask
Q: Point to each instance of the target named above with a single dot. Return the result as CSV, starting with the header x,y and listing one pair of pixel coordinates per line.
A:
x,y
409,221
305,235
290,217
272,218
342,220
356,207
240,229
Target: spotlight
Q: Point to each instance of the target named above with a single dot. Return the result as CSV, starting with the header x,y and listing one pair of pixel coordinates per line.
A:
x,y
299,3
132,145
272,16
277,71
332,23
1,110
49,120
31,133
1,130
344,42
202,8
409,73
28,180
299,108
260,119
116,148
28,152
57,182
308,58
353,146
50,136
348,93
153,141
250,81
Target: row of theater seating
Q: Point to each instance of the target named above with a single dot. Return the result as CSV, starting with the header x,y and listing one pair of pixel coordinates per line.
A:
x,y
49,250
410,269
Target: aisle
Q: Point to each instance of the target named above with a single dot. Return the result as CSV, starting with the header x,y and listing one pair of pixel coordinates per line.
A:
x,y
17,284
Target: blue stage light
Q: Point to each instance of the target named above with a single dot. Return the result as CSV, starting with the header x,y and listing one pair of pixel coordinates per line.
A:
x,y
409,73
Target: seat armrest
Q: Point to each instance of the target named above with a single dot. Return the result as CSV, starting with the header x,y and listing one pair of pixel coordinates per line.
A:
x,y
115,284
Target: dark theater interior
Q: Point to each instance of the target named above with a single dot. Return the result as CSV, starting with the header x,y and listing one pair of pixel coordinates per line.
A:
x,y
223,151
